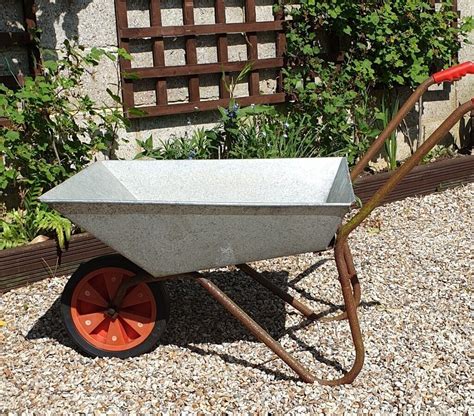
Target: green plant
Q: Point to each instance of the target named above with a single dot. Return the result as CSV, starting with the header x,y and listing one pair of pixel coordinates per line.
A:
x,y
269,136
20,226
256,133
386,44
55,129
438,152
389,108
199,146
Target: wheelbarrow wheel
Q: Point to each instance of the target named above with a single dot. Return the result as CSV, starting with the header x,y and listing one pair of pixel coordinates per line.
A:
x,y
103,330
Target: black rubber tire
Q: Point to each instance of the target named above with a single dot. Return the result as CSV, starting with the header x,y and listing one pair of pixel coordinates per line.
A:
x,y
115,260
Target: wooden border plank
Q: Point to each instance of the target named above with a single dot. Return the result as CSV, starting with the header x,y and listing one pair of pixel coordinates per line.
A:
x,y
422,180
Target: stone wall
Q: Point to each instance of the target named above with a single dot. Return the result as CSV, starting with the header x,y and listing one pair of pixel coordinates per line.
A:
x,y
93,23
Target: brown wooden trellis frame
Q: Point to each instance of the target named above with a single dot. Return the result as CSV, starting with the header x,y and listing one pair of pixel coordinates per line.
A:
x,y
192,70
23,39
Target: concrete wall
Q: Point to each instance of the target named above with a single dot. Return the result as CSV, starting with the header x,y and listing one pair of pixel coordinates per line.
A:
x,y
93,23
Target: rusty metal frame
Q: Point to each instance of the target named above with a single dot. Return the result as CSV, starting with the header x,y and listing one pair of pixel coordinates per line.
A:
x,y
190,31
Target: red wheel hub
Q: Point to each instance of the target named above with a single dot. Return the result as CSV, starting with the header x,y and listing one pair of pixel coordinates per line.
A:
x,y
107,327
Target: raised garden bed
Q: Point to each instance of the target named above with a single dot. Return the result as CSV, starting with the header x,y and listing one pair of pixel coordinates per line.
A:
x,y
27,264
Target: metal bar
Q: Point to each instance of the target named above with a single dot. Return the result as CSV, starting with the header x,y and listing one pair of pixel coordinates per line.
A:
x,y
158,53
299,306
257,331
351,311
199,30
142,278
378,143
356,290
201,69
208,105
420,122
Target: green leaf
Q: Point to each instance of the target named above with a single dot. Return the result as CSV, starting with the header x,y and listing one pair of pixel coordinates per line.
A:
x,y
136,112
115,97
122,53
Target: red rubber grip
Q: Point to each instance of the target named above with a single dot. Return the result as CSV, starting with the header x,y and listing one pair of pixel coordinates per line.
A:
x,y
454,73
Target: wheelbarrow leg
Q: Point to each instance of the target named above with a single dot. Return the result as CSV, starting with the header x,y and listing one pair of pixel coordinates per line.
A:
x,y
297,304
343,269
285,296
255,328
354,283
275,346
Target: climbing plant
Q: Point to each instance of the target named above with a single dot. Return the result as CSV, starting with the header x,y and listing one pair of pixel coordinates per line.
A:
x,y
386,45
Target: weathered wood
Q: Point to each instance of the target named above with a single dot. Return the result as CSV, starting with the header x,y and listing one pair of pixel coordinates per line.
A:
x,y
280,46
158,53
210,105
127,84
191,50
34,55
14,39
199,30
222,48
160,72
252,47
422,180
200,69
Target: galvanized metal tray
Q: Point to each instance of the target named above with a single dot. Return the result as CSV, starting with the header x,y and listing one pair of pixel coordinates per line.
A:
x,y
172,217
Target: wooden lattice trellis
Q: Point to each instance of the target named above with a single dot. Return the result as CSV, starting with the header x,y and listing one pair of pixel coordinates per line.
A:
x,y
160,72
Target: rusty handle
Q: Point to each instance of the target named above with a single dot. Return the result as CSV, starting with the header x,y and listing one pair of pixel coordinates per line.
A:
x,y
447,75
394,123
405,168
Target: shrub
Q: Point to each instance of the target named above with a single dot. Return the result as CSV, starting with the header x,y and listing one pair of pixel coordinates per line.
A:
x,y
387,44
54,131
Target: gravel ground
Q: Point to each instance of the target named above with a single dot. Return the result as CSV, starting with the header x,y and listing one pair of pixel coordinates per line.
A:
x,y
415,263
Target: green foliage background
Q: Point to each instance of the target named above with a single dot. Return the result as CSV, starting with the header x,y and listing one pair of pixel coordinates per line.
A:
x,y
386,44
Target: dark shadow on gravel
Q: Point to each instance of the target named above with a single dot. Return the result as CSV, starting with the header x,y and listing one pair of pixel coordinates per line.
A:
x,y
196,318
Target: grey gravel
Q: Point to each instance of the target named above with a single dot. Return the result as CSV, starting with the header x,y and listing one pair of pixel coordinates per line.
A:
x,y
415,263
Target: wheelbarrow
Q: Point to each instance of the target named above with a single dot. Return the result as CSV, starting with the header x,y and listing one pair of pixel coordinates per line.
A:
x,y
167,219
